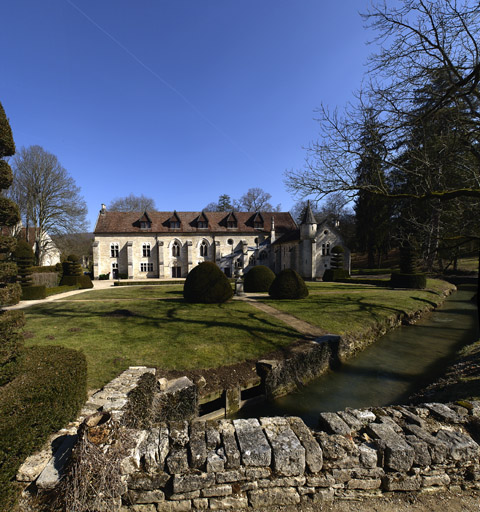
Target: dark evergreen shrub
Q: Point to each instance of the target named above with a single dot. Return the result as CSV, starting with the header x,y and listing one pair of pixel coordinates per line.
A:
x,y
75,268
85,282
81,282
288,285
34,292
103,277
337,257
48,393
415,281
258,279
24,257
10,290
11,346
207,284
335,274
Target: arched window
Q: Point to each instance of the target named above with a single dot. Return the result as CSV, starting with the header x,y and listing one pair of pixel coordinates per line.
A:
x,y
203,249
175,249
146,250
114,250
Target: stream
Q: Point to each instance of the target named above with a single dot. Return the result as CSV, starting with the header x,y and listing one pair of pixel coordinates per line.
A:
x,y
390,370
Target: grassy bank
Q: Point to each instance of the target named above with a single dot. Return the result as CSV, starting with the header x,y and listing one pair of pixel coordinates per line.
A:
x,y
344,308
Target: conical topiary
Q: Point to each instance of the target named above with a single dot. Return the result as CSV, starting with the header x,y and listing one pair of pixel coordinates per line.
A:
x,y
24,257
288,285
258,279
337,257
207,284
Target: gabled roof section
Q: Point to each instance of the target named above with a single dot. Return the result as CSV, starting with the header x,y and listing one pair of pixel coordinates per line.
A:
x,y
308,217
258,218
145,217
126,222
174,217
231,217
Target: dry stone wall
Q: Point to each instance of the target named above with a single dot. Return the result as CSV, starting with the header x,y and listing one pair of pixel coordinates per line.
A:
x,y
255,463
258,463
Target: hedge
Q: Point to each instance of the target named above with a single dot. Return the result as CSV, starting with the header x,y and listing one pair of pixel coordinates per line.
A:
x,y
146,283
47,394
54,290
334,274
34,292
83,282
414,281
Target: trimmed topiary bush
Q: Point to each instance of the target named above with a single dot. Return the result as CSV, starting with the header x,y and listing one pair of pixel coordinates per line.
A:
x,y
48,393
11,344
288,285
414,281
408,277
83,282
24,257
34,292
207,284
337,257
334,274
258,279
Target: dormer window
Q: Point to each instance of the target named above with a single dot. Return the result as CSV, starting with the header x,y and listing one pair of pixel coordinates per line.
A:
x,y
145,224
258,225
202,224
231,224
174,224
258,221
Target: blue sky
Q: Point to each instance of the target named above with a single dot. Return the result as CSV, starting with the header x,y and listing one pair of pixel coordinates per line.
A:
x,y
179,100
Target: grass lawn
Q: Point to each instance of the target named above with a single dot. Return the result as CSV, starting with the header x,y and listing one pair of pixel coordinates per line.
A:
x,y
342,308
167,333
151,325
132,292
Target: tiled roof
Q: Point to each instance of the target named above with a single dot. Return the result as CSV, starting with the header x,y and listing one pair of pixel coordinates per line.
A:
x,y
127,222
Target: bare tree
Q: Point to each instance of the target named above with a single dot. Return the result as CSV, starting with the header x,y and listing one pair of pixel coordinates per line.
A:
x,y
132,203
48,197
256,200
416,39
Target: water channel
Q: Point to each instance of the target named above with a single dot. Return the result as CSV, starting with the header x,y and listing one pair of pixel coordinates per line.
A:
x,y
401,362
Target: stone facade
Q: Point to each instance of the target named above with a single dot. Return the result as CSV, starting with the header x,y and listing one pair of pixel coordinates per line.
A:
x,y
168,245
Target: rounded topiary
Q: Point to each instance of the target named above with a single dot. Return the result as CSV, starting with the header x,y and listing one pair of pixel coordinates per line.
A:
x,y
258,279
207,284
288,285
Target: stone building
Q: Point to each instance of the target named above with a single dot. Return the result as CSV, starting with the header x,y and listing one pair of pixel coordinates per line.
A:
x,y
137,245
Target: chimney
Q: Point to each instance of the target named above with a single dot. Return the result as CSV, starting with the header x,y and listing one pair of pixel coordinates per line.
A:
x,y
272,231
103,209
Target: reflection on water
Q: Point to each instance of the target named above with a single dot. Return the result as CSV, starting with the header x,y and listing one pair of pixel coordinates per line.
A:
x,y
388,371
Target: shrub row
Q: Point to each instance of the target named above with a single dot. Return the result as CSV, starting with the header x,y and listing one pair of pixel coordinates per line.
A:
x,y
46,269
147,283
34,292
43,398
415,281
83,282
334,274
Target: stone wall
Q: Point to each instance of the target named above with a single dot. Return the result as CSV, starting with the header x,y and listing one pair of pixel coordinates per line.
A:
x,y
255,463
